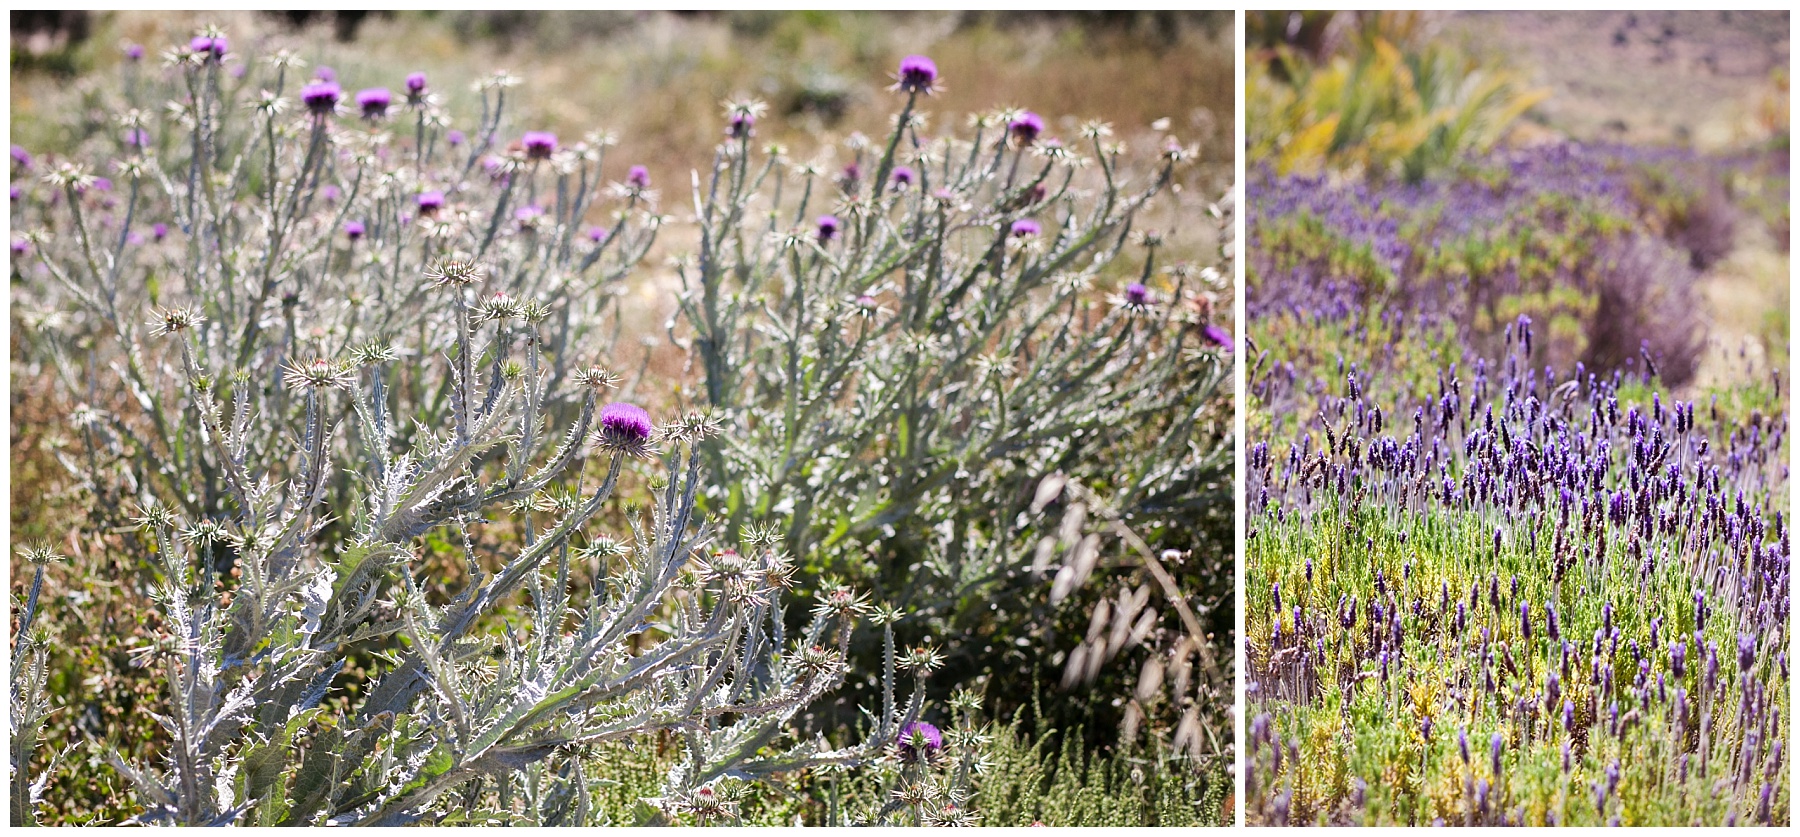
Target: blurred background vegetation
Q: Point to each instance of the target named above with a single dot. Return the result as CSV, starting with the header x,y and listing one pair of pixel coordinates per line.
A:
x,y
655,81
1385,97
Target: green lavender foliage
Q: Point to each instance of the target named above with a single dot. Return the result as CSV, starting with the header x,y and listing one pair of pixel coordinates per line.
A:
x,y
1055,781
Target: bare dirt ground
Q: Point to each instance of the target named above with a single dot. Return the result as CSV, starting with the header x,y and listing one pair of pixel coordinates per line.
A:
x,y
1650,77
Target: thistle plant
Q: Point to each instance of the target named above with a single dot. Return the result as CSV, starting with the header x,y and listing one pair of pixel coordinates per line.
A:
x,y
903,346
328,369
270,225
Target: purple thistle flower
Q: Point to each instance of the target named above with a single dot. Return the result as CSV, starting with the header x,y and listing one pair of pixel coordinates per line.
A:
x,y
596,234
527,215
214,47
1219,335
455,138
20,247
740,125
1025,128
159,231
21,157
918,74
321,97
134,238
374,102
137,137
324,73
1025,227
919,741
625,428
828,227
330,193
1138,296
430,202
15,191
134,52
415,87
638,177
903,176
354,230
539,145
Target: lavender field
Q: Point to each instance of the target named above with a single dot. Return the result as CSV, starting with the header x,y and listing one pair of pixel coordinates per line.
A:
x,y
396,443
1518,536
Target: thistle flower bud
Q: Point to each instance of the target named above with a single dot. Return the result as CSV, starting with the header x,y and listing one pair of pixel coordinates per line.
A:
x,y
919,741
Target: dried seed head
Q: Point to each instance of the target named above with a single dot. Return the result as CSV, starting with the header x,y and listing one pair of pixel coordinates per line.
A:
x,y
692,427
596,378
371,353
454,273
500,306
317,373
174,320
922,659
840,602
817,659
39,554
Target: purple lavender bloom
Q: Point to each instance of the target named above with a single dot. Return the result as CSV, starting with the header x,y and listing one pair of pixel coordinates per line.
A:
x,y
134,52
159,231
1138,296
374,102
638,177
903,176
919,741
1025,128
918,74
415,87
539,145
354,230
430,202
1025,227
828,227
455,138
321,97
1746,652
21,157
